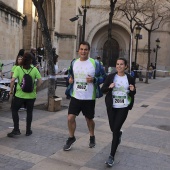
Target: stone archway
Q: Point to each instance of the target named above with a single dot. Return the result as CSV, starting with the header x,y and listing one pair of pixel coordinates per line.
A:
x,y
119,45
110,53
98,37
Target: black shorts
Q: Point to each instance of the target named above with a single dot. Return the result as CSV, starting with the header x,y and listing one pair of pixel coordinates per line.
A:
x,y
86,106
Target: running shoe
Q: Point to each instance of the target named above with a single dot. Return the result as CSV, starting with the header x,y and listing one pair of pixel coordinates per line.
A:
x,y
28,133
13,133
110,161
69,143
92,142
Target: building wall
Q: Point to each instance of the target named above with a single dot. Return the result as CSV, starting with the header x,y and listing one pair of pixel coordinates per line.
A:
x,y
11,31
64,32
15,4
29,27
65,39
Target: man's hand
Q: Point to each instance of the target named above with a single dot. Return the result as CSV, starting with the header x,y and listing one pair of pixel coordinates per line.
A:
x,y
70,80
89,79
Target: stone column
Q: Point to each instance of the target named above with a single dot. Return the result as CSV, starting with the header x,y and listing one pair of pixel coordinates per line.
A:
x,y
27,33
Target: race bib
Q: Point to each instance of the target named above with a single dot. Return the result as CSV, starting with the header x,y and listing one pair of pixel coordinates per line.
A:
x,y
81,86
119,100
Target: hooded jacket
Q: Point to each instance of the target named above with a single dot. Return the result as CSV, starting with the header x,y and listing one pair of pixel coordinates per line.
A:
x,y
108,91
99,78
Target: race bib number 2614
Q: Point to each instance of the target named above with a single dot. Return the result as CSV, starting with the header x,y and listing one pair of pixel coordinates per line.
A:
x,y
119,100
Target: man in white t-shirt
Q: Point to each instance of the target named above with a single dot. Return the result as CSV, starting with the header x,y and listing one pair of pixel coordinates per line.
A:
x,y
83,93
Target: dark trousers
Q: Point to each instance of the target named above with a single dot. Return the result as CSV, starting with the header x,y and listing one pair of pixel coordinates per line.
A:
x,y
15,88
17,103
116,120
39,60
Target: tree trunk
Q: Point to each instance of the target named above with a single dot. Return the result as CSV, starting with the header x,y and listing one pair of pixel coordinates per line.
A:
x,y
112,7
48,46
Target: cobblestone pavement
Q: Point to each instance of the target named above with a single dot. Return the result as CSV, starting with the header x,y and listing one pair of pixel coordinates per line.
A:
x,y
145,141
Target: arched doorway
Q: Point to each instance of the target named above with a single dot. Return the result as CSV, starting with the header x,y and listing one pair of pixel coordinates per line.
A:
x,y
110,53
119,46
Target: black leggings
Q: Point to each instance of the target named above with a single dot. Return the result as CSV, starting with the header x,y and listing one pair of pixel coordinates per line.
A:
x,y
17,103
15,88
116,120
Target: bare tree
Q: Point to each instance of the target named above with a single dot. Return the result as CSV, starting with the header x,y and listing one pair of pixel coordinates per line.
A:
x,y
151,16
147,14
48,46
127,7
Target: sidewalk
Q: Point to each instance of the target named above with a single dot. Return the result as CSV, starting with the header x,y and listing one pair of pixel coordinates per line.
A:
x,y
145,141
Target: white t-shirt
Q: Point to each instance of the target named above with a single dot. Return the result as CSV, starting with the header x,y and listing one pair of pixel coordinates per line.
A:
x,y
120,92
81,89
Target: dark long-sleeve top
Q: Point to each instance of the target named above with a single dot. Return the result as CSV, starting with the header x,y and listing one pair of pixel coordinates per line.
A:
x,y
108,91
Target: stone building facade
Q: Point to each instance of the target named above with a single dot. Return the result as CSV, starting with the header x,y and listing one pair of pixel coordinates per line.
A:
x,y
11,29
20,28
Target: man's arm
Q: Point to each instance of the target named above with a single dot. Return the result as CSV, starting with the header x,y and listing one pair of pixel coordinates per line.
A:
x,y
101,75
70,71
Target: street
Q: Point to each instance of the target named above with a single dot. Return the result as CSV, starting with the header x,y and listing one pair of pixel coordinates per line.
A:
x,y
145,141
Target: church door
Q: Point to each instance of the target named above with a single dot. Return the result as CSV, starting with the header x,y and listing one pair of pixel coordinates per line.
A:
x,y
110,53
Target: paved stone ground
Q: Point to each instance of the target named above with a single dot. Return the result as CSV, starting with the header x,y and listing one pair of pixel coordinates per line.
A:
x,y
145,141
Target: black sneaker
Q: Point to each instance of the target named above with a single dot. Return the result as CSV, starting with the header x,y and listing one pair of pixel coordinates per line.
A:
x,y
13,133
28,133
68,144
120,136
92,142
110,161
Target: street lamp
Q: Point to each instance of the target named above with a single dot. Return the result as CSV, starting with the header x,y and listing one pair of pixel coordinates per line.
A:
x,y
85,4
156,51
138,29
74,18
